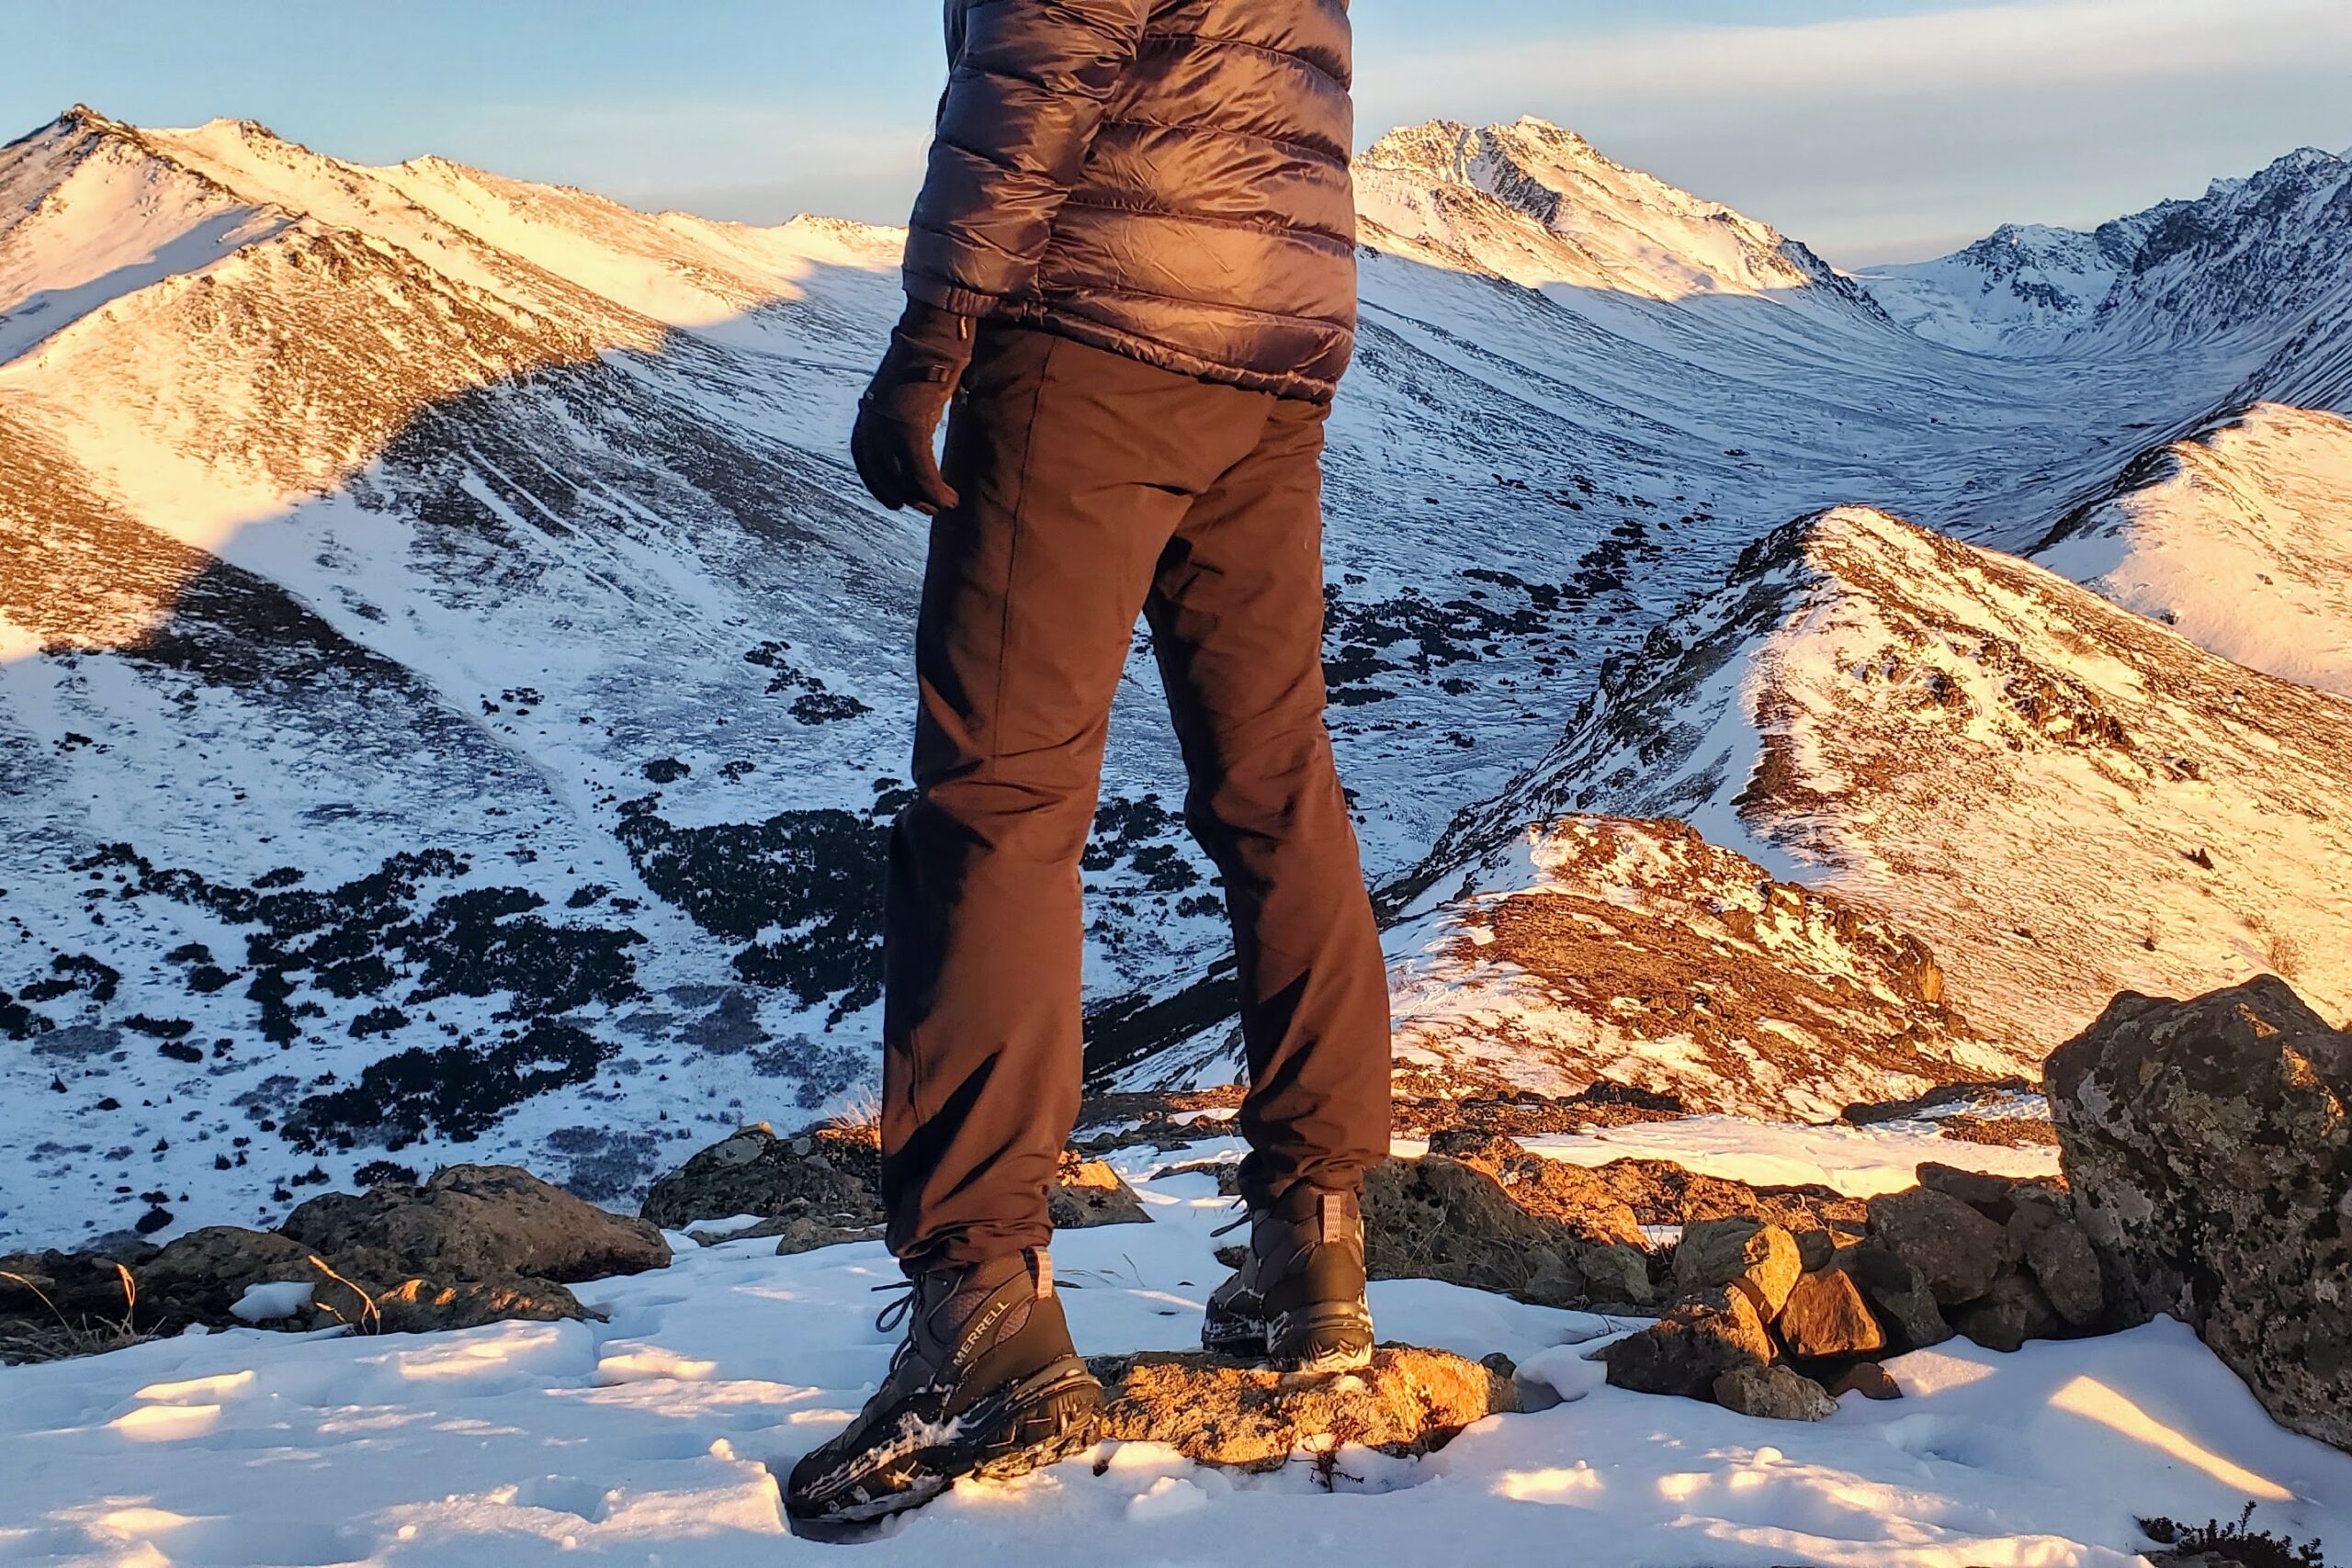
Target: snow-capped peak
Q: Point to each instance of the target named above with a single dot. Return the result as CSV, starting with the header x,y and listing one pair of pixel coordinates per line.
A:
x,y
1537,203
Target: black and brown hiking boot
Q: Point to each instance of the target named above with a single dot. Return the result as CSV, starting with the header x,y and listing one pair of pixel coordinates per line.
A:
x,y
1297,1300
987,1383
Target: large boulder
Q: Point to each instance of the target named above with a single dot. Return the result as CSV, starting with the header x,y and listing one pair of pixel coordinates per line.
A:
x,y
1439,1219
2209,1144
1956,1249
1694,1345
477,1222
1216,1410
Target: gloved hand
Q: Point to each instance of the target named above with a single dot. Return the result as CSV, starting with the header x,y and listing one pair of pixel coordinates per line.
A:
x,y
901,410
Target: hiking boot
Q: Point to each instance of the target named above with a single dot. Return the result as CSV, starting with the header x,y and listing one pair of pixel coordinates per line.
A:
x,y
986,1384
1297,1300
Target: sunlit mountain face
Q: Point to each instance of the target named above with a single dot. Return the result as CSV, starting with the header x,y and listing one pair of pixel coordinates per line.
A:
x,y
454,692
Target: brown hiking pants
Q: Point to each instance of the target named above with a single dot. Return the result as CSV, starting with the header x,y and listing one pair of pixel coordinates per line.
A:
x,y
1094,487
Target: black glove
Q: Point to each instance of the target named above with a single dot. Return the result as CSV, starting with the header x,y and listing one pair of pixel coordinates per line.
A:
x,y
901,410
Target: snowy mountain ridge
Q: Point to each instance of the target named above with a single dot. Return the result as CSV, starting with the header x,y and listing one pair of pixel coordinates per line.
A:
x,y
451,685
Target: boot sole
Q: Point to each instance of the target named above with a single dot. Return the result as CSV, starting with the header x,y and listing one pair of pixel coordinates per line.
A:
x,y
1039,1421
1318,1340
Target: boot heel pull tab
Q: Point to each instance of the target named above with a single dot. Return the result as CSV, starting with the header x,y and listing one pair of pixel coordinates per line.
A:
x,y
1043,1267
1329,1225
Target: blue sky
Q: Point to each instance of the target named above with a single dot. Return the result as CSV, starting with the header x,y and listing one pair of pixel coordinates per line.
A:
x,y
1872,129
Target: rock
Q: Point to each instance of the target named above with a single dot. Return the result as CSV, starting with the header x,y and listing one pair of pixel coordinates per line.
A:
x,y
1775,1393
1957,1250
1758,1258
1579,1201
1814,1249
2209,1150
1439,1219
479,1222
1866,1377
1088,1192
419,1306
1988,1194
1215,1410
1615,1275
2060,1259
1898,1293
1663,1193
1827,1315
2011,1313
829,1175
200,1277
1714,1331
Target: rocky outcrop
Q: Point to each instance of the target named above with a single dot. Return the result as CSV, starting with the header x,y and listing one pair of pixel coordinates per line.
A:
x,y
823,1186
1218,1411
474,1245
2209,1144
829,1175
480,1221
1768,1323
1582,1201
1440,1219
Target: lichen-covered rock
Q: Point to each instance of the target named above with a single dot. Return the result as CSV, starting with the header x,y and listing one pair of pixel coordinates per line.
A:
x,y
2209,1144
1760,1259
1088,1192
1439,1219
1898,1293
1774,1393
1827,1315
1714,1331
1216,1410
479,1222
1956,1249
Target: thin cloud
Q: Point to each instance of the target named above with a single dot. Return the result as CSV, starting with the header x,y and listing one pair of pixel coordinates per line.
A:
x,y
2047,43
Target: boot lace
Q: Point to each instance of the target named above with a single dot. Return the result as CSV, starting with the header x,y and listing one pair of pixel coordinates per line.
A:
x,y
895,1311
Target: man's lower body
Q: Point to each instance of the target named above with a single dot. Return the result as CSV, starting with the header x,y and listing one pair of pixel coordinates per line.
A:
x,y
1094,488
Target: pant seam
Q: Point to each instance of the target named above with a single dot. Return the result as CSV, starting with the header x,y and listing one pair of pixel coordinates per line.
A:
x,y
1018,511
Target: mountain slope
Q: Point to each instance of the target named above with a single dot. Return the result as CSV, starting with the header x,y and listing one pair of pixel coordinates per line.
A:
x,y
2060,798
453,687
2237,540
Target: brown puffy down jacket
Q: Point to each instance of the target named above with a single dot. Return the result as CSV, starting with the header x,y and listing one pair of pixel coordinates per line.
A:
x,y
1167,179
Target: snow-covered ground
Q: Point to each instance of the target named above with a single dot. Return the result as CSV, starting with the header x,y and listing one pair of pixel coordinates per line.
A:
x,y
656,1439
